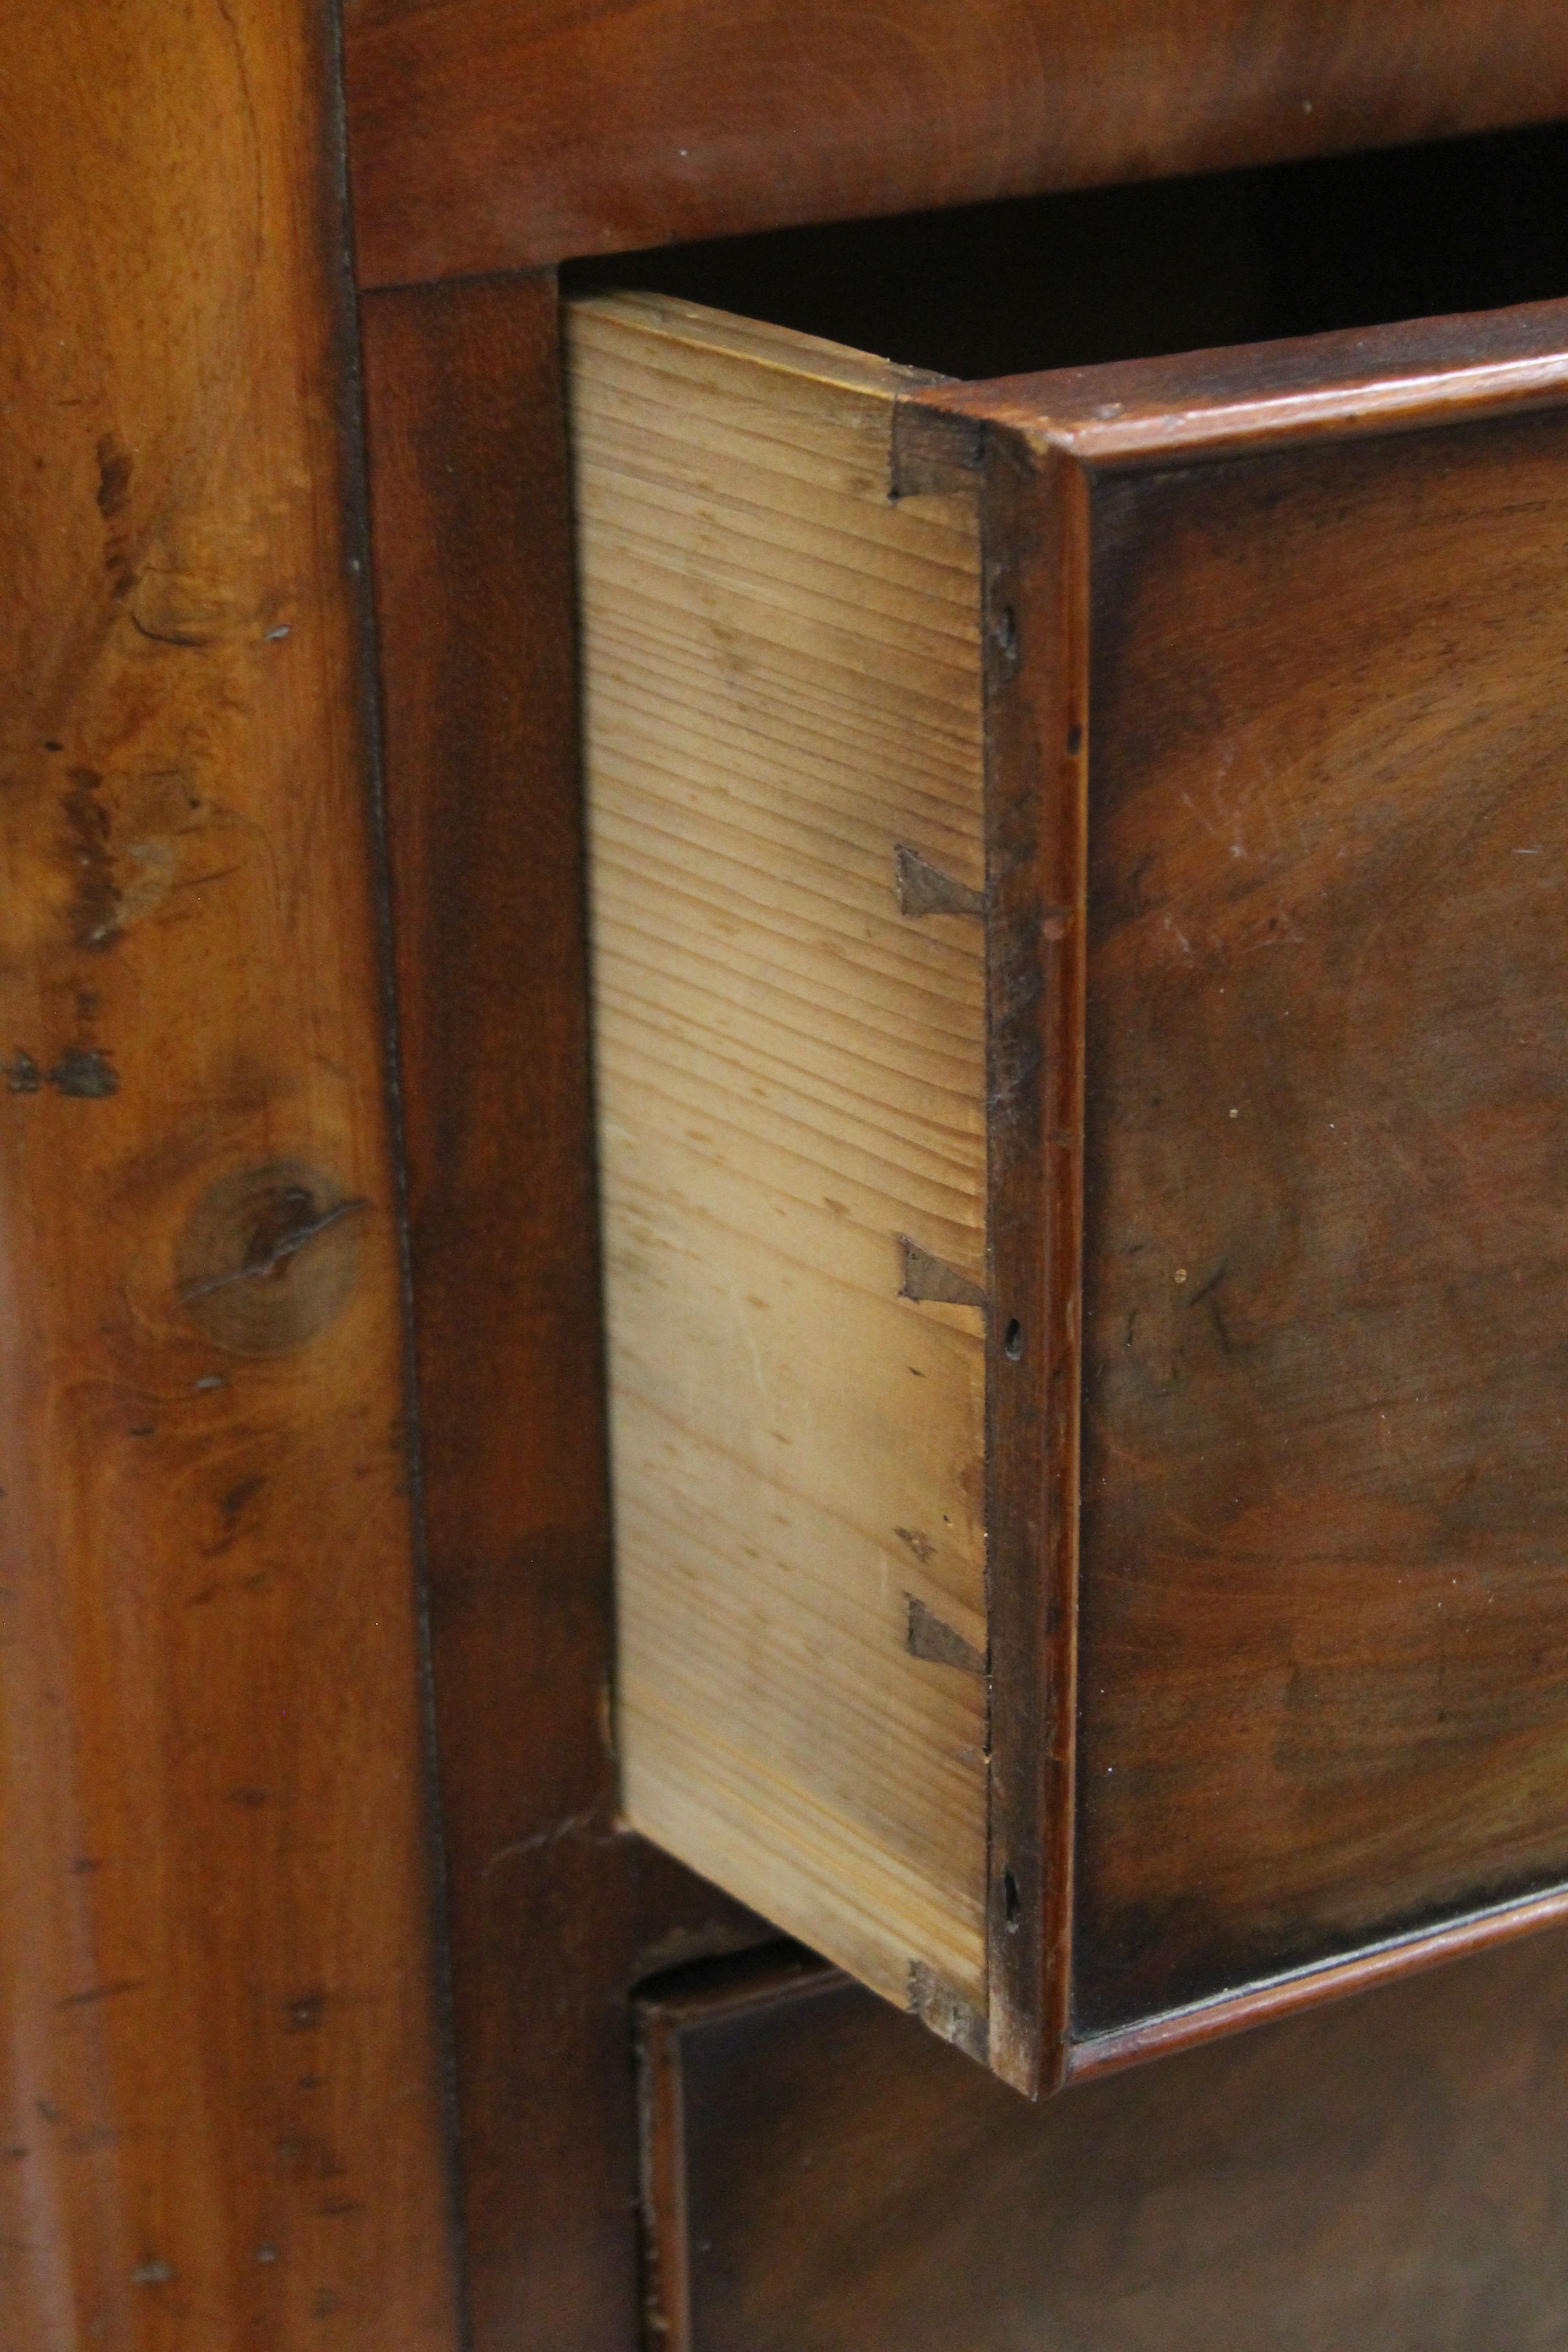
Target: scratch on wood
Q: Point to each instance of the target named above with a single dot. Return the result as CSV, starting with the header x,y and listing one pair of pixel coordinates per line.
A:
x,y
929,1636
924,890
101,1992
932,1279
573,1825
272,1254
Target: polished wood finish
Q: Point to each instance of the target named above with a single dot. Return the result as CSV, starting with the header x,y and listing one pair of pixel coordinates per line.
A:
x,y
784,763
1034,525
825,2177
223,2122
1339,386
553,1909
1319,1682
491,134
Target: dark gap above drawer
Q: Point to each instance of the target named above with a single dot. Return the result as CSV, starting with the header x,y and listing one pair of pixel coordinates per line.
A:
x,y
1174,264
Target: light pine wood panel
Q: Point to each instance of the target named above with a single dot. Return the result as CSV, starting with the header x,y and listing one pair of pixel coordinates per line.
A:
x,y
781,690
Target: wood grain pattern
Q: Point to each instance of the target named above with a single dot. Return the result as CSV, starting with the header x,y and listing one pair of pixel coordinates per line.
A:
x,y
222,2119
1335,1517
782,692
1319,1614
1303,693
491,134
1036,529
552,1912
825,2177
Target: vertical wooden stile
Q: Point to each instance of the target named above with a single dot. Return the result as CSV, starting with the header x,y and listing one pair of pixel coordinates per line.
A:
x,y
220,2107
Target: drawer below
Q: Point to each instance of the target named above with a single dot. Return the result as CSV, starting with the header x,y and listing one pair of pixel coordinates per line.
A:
x,y
821,2176
1079,871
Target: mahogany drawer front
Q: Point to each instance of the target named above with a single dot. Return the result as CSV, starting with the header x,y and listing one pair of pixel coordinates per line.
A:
x,y
822,2176
1078,873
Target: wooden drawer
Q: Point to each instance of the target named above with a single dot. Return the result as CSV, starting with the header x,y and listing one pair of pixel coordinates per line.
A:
x,y
822,2176
1078,904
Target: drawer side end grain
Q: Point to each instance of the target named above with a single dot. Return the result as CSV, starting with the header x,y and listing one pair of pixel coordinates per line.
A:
x,y
781,710
1036,621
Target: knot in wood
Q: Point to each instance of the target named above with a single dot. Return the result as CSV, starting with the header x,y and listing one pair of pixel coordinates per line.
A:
x,y
269,1258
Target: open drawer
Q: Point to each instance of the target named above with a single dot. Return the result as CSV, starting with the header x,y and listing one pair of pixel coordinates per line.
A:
x,y
1081,931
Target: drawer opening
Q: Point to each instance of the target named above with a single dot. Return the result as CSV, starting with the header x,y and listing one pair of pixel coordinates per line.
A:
x,y
862,646
1134,272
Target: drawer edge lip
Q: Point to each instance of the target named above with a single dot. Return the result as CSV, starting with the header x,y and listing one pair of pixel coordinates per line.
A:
x,y
1387,1962
1228,402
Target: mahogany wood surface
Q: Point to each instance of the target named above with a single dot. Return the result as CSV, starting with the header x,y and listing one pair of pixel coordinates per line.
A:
x,y
493,134
1323,1486
1321,1605
222,2116
552,1913
1381,378
826,2178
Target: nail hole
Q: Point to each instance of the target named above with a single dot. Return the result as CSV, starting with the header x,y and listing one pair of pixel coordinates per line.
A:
x,y
1011,1905
1007,632
1075,742
1013,1341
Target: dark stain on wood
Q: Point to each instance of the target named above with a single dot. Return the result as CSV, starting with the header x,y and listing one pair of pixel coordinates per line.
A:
x,y
926,1278
94,900
927,1636
924,890
114,471
933,453
82,1072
